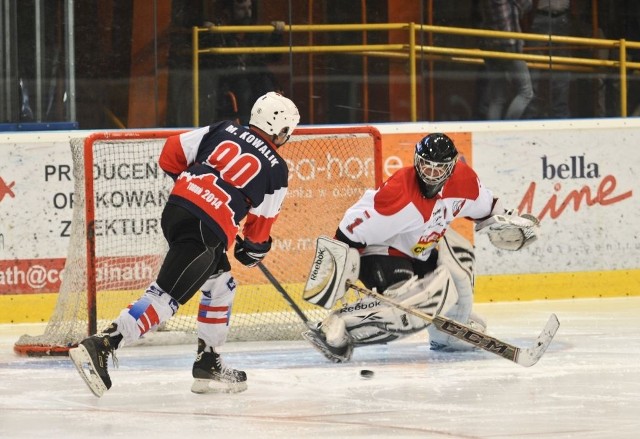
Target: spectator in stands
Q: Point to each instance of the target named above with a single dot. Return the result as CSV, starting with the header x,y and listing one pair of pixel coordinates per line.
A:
x,y
508,89
231,83
551,17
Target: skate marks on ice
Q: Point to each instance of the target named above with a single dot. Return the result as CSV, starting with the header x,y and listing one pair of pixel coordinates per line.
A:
x,y
586,386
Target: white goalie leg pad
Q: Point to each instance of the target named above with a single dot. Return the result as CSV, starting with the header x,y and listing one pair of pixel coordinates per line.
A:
x,y
456,255
370,321
334,264
146,314
364,322
335,331
214,311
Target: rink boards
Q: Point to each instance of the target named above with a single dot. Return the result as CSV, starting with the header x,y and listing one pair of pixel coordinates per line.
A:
x,y
577,176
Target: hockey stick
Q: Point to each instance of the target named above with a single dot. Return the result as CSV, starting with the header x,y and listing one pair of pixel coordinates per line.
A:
x,y
313,335
524,357
286,296
271,278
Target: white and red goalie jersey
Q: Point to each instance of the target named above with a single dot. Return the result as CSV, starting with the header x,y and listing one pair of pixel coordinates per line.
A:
x,y
224,173
397,219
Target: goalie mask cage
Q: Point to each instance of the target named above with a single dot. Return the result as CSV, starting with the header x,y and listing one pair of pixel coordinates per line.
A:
x,y
117,246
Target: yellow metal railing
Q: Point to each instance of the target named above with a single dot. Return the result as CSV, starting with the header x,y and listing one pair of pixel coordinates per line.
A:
x,y
411,51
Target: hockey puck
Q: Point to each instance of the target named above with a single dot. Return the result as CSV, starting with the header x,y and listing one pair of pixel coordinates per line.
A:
x,y
366,374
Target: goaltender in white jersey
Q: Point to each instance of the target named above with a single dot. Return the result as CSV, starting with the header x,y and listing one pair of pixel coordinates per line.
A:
x,y
408,252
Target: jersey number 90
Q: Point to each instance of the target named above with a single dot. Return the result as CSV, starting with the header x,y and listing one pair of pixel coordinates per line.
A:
x,y
235,167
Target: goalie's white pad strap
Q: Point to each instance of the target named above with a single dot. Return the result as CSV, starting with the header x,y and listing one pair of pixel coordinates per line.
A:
x,y
334,264
497,207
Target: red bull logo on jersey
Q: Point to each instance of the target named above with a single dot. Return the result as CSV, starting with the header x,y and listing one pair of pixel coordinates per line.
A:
x,y
427,243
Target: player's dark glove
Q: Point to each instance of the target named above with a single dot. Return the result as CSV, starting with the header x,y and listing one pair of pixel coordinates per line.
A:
x,y
250,253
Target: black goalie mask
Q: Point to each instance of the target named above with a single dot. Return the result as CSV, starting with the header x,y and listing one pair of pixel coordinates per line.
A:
x,y
434,160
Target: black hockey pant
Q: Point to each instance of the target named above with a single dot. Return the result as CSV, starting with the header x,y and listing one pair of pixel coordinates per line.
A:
x,y
382,271
195,253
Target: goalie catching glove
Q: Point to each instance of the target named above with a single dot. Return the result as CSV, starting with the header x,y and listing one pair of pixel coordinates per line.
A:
x,y
511,231
250,253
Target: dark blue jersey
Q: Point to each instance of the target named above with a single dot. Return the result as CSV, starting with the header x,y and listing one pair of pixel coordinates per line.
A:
x,y
224,173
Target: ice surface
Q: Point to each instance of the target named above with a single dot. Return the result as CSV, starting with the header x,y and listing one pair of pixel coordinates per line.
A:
x,y
587,385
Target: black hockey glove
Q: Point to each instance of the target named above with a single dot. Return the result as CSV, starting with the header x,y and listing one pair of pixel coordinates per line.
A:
x,y
249,253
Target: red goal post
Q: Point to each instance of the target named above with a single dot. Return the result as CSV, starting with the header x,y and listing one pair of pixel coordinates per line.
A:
x,y
116,245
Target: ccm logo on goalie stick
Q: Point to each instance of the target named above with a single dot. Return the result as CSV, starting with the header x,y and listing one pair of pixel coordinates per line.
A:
x,y
476,338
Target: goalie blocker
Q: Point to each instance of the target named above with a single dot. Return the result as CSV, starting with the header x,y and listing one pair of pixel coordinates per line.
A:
x,y
334,264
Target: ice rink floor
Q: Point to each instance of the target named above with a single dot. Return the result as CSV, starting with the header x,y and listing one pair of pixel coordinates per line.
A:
x,y
587,385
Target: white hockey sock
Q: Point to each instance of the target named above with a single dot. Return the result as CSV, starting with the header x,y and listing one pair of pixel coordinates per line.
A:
x,y
214,311
146,314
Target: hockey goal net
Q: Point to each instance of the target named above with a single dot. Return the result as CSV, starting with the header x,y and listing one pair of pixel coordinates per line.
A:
x,y
116,245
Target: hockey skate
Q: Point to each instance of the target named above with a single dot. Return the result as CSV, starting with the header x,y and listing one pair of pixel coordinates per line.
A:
x,y
212,376
331,339
91,356
317,339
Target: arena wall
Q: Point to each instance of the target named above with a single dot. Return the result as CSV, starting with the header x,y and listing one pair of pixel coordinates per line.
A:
x,y
578,176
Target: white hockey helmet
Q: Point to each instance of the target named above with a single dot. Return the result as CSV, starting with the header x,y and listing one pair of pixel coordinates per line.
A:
x,y
275,115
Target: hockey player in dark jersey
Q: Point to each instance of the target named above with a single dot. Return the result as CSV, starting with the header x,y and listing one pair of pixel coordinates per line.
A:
x,y
223,173
408,252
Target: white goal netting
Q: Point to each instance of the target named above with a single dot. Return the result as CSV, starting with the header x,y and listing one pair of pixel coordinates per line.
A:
x,y
328,171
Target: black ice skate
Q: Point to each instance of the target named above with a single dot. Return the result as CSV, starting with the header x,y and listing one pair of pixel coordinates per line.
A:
x,y
212,376
336,354
90,358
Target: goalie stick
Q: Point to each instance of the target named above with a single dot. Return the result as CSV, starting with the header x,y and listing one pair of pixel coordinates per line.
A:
x,y
524,357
